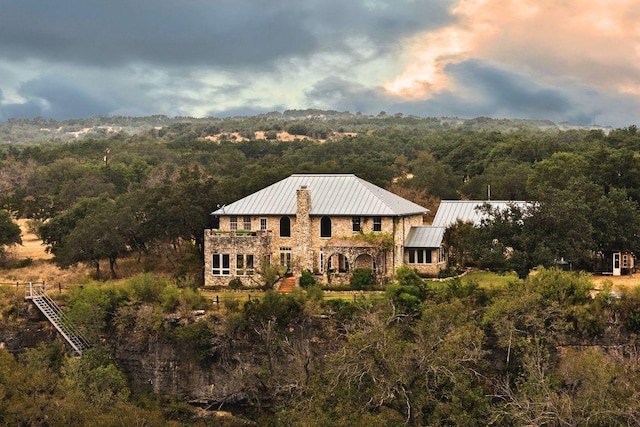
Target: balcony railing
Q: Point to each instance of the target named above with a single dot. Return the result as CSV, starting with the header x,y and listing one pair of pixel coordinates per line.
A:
x,y
239,233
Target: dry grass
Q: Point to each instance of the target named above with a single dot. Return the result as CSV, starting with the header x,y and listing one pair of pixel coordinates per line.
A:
x,y
617,283
45,271
41,269
31,247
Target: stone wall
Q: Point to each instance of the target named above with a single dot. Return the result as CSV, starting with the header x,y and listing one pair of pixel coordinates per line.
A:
x,y
432,268
257,244
305,243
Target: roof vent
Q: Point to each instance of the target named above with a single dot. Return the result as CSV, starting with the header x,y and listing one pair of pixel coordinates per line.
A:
x,y
303,187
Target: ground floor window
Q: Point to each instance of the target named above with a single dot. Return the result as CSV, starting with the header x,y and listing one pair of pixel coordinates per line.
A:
x,y
420,256
244,265
220,265
285,257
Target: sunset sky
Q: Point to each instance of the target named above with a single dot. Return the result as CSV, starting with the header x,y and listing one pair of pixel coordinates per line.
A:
x,y
570,60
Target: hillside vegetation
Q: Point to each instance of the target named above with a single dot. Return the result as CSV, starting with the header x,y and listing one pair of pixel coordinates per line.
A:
x,y
542,349
539,351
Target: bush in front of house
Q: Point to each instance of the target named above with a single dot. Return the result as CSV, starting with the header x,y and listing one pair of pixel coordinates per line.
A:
x,y
362,278
235,283
307,279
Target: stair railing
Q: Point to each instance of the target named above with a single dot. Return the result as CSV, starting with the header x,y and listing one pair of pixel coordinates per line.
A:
x,y
36,293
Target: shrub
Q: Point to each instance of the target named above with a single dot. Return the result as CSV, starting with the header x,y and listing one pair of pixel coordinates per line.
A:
x,y
283,308
362,278
147,288
298,129
307,279
170,299
235,283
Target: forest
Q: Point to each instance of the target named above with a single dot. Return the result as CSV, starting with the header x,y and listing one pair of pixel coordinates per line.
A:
x,y
542,349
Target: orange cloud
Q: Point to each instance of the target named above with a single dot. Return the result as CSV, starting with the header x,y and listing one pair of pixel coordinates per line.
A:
x,y
593,42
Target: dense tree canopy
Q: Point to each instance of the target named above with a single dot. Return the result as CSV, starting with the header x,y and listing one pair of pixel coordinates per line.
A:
x,y
164,182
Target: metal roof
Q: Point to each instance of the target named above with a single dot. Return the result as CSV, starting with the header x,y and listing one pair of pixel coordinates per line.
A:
x,y
331,194
425,237
450,211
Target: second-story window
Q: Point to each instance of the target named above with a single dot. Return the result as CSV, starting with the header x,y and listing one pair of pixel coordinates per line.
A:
x,y
325,227
263,223
377,223
246,223
355,223
233,223
285,227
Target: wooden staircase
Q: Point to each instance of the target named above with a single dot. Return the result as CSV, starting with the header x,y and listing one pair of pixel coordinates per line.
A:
x,y
35,293
287,285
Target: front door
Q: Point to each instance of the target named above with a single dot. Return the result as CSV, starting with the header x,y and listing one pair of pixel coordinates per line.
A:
x,y
616,264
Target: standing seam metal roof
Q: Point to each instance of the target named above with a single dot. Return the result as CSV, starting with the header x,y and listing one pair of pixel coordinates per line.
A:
x,y
451,211
425,237
331,194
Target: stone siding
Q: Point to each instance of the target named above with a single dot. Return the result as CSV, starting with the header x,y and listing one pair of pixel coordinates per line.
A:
x,y
305,243
432,268
257,244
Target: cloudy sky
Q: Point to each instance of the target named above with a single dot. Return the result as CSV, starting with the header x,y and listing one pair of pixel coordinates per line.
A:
x,y
569,60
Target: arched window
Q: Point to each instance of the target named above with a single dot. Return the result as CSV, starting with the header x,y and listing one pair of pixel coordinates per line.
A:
x,y
325,227
285,227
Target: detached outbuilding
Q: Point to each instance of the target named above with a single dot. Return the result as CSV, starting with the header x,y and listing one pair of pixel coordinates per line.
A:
x,y
614,263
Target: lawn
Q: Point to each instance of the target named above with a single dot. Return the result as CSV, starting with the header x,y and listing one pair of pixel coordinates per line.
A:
x,y
489,280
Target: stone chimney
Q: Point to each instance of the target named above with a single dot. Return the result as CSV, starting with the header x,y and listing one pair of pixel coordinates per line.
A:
x,y
303,229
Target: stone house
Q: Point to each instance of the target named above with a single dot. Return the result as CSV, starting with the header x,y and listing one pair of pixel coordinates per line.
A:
x,y
329,224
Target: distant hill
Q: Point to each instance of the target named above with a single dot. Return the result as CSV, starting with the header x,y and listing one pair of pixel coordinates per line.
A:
x,y
312,123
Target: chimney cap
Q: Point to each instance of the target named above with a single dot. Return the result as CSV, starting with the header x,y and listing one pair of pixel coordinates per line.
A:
x,y
303,187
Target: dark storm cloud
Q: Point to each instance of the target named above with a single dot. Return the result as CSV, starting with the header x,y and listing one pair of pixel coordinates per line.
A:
x,y
200,32
502,90
56,98
483,90
342,95
77,58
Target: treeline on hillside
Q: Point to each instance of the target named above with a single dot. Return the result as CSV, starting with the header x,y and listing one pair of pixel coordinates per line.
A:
x,y
311,122
540,351
154,191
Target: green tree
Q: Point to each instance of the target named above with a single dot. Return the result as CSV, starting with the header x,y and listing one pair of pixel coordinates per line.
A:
x,y
9,230
9,234
89,232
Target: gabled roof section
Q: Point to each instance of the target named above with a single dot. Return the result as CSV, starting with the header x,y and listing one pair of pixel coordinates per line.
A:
x,y
331,194
425,237
450,211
